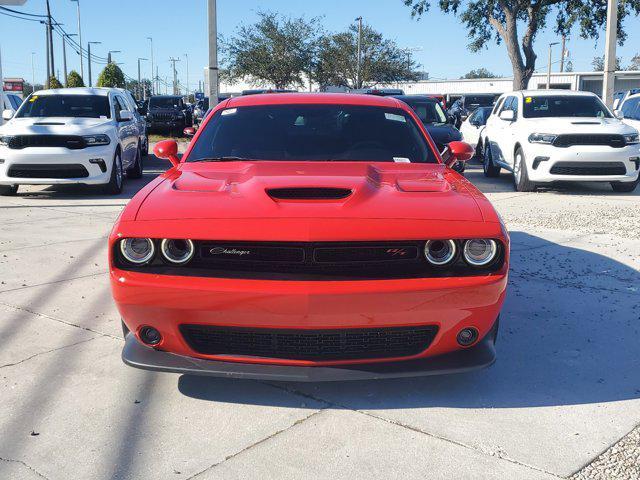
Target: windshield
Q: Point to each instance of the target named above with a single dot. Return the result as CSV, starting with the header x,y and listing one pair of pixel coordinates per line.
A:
x,y
429,112
164,102
564,106
480,100
314,133
90,106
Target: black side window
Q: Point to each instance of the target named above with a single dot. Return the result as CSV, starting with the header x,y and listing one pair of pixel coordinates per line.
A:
x,y
120,104
507,104
630,109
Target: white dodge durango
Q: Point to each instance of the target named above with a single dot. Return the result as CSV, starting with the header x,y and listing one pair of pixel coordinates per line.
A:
x,y
70,136
547,136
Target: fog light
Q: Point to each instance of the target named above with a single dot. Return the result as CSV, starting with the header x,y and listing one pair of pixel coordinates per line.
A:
x,y
100,162
467,336
150,336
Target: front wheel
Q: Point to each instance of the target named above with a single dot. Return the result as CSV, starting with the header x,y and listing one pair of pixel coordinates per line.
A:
x,y
8,190
521,182
114,187
489,169
145,147
625,187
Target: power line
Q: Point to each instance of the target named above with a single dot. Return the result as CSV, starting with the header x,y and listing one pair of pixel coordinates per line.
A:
x,y
22,13
21,18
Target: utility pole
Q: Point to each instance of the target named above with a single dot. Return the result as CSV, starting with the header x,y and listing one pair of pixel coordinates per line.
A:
x,y
141,90
89,59
549,66
175,74
157,80
46,41
153,79
563,53
109,54
187,58
611,38
64,54
213,53
359,66
33,71
80,39
53,67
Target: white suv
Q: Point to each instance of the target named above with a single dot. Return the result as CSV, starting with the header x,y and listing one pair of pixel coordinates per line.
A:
x,y
545,136
70,136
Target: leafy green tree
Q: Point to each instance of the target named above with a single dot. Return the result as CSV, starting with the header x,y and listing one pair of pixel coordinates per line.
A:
x,y
479,73
134,87
598,63
111,76
28,89
382,60
635,62
275,50
74,79
500,21
54,82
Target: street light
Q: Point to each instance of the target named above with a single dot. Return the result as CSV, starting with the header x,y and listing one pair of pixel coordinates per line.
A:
x,y
152,75
549,66
64,54
140,87
187,57
109,54
80,39
89,59
358,79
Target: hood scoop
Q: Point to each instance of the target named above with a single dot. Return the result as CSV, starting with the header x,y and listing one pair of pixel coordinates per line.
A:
x,y
308,193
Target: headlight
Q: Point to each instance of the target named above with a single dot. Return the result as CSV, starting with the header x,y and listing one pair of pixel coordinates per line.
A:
x,y
440,252
95,140
547,138
631,139
137,250
480,251
4,141
177,251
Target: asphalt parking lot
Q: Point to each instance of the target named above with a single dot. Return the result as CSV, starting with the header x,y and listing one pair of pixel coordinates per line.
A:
x,y
564,390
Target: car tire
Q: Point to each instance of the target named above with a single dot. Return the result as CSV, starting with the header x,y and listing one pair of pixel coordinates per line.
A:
x,y
625,187
8,190
479,152
521,182
114,187
145,147
490,170
136,170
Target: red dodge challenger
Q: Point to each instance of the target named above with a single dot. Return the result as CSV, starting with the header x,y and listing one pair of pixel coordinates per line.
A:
x,y
310,237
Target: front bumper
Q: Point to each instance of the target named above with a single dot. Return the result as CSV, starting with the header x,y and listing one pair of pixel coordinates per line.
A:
x,y
479,356
57,156
580,155
156,125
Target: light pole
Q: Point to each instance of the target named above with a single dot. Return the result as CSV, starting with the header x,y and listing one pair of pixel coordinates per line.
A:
x,y
213,52
608,76
140,86
109,54
187,57
64,54
33,71
175,74
89,59
549,66
153,79
80,39
358,74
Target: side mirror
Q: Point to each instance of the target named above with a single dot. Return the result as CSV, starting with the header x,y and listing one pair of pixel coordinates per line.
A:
x,y
507,115
167,149
189,132
618,114
125,116
459,152
7,114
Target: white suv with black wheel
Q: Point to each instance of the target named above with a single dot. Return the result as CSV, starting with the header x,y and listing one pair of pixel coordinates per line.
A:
x,y
70,136
547,136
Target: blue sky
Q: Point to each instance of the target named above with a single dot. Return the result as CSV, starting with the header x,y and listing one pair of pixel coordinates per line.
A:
x,y
180,27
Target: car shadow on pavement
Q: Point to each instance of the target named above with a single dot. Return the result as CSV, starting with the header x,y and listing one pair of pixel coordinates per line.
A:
x,y
568,335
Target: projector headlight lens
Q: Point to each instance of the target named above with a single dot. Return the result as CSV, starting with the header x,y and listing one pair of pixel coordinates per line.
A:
x,y
137,250
480,251
440,252
177,251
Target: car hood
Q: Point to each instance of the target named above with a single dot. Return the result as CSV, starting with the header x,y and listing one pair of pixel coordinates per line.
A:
x,y
561,125
443,134
373,190
52,126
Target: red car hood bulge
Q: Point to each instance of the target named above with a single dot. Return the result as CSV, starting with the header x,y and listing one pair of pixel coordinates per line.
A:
x,y
378,190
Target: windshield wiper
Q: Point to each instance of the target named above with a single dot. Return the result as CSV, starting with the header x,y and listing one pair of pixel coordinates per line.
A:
x,y
221,159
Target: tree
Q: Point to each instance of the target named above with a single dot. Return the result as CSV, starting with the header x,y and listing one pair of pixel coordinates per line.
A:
x,y
499,20
132,86
598,63
479,73
274,51
111,76
635,62
54,82
383,61
28,89
74,79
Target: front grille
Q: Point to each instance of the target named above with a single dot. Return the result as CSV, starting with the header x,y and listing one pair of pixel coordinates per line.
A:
x,y
72,142
569,140
316,345
161,117
308,193
47,171
588,168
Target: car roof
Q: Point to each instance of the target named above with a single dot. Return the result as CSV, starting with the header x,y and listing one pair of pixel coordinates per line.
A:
x,y
418,98
102,91
552,92
313,99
